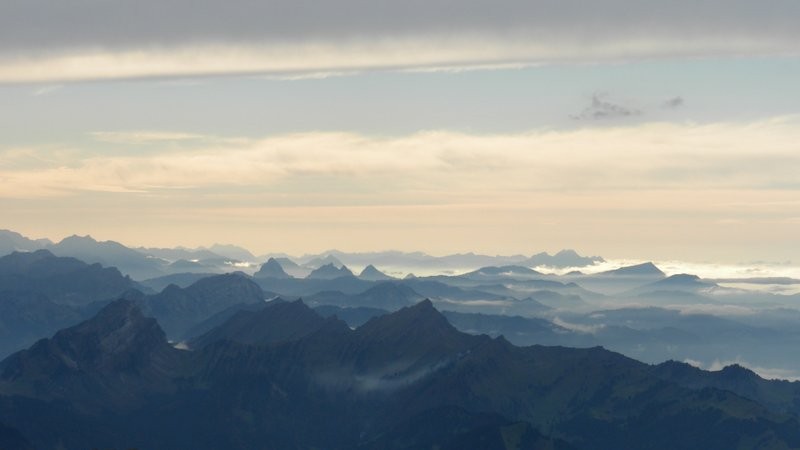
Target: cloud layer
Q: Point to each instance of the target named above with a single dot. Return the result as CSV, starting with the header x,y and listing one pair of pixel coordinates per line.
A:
x,y
49,39
679,190
758,155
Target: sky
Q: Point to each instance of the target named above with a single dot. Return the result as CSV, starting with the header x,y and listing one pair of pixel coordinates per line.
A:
x,y
629,129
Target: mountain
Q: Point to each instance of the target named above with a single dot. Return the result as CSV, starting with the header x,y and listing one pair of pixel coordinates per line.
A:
x,y
179,309
62,280
186,266
25,317
41,293
110,359
353,316
370,273
321,261
434,289
271,269
174,254
110,254
401,380
678,283
386,295
13,439
232,252
329,271
11,241
778,395
454,428
183,280
292,268
564,258
277,321
647,269
518,330
494,273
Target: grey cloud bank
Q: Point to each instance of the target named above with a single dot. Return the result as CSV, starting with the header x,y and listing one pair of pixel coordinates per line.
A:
x,y
437,32
40,24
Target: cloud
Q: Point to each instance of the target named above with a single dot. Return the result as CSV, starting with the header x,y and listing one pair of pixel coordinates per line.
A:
x,y
580,328
143,137
762,155
46,90
673,103
121,39
601,109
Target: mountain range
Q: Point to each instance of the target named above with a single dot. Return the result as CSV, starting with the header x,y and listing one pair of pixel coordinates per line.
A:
x,y
407,379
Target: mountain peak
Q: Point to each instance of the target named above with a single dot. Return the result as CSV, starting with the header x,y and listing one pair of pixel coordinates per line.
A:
x,y
77,238
421,320
737,372
564,258
118,339
277,321
23,260
371,273
644,269
271,269
510,270
683,277
330,271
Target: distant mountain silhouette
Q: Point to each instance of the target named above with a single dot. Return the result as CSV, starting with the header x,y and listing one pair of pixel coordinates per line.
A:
x,y
329,271
233,252
403,379
564,258
111,254
11,241
184,266
25,317
271,269
318,262
63,280
645,269
371,273
292,268
174,254
41,293
435,289
386,295
680,282
492,273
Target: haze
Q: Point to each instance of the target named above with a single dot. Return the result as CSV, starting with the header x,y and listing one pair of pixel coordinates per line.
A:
x,y
629,129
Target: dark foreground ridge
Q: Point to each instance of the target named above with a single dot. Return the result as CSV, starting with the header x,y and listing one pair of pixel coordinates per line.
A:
x,y
283,377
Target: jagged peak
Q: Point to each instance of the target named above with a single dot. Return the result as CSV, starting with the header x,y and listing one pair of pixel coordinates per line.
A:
x,y
420,318
329,271
271,269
